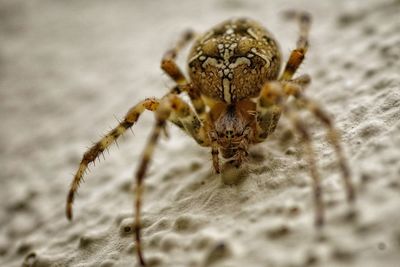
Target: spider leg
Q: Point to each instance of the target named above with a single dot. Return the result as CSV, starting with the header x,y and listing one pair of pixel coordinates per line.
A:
x,y
271,97
270,105
172,108
215,158
268,113
301,127
168,62
94,152
169,65
162,115
185,118
297,55
303,81
269,109
334,139
333,134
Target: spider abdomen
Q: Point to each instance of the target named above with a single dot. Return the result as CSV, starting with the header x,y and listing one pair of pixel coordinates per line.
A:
x,y
233,60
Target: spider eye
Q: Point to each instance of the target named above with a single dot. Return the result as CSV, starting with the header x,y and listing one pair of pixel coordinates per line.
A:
x,y
229,133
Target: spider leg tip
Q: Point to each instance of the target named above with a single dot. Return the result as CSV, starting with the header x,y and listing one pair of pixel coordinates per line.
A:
x,y
69,213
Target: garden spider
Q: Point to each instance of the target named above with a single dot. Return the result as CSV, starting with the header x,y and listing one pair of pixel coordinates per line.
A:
x,y
237,96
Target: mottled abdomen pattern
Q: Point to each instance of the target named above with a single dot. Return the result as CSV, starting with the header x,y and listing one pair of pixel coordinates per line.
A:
x,y
233,60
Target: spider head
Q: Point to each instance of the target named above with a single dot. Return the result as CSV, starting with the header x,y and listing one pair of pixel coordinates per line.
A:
x,y
232,128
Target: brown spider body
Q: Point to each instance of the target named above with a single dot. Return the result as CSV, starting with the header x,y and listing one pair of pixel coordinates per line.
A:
x,y
238,96
233,61
228,65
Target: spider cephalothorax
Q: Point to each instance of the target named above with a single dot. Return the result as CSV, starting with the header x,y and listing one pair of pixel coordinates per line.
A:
x,y
238,96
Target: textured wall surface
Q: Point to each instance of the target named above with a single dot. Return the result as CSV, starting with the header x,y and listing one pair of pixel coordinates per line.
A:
x,y
68,69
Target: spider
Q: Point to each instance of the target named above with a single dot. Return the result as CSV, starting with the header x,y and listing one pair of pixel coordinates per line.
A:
x,y
237,97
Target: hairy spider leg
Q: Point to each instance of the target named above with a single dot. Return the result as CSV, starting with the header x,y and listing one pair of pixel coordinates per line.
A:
x,y
269,110
94,152
333,137
272,98
303,81
170,107
297,55
214,154
273,92
268,113
333,134
301,128
169,65
184,117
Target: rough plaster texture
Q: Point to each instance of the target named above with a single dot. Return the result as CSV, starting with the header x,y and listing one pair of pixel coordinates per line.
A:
x,y
68,68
